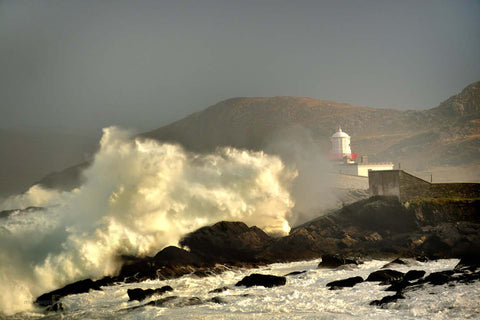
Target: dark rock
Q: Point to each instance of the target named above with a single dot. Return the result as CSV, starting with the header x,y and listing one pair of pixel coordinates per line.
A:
x,y
227,242
414,275
218,300
386,275
469,262
398,285
422,259
175,256
167,301
175,301
397,261
295,273
439,278
436,247
219,290
140,294
264,280
335,260
56,307
387,299
82,286
349,282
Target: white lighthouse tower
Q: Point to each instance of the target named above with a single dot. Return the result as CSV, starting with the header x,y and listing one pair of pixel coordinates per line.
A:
x,y
340,146
345,160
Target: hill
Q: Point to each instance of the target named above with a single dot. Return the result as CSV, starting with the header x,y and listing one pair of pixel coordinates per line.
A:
x,y
444,140
447,135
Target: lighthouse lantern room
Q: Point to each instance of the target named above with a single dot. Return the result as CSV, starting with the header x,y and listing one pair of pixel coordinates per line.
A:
x,y
341,147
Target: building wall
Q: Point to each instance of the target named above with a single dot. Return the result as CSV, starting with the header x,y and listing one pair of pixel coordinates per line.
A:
x,y
364,168
407,187
384,183
357,169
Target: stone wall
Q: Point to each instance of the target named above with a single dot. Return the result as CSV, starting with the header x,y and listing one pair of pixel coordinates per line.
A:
x,y
407,187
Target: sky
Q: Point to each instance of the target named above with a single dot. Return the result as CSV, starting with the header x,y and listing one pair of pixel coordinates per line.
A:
x,y
143,64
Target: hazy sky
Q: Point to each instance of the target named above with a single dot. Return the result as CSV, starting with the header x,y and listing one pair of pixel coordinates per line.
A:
x,y
143,64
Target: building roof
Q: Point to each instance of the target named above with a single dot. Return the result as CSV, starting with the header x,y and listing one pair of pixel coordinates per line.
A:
x,y
340,134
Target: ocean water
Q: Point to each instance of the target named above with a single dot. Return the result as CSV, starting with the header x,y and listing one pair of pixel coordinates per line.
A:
x,y
305,296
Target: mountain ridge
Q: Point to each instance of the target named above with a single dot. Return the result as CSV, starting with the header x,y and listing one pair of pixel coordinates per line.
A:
x,y
434,139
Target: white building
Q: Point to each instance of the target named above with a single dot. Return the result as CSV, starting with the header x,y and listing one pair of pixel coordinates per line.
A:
x,y
340,145
347,161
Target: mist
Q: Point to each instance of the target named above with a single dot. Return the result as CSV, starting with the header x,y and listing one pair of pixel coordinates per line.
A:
x,y
313,190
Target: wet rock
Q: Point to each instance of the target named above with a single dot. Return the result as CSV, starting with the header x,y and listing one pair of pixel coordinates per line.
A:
x,y
470,262
218,300
349,282
397,261
335,261
164,302
56,307
82,286
264,280
414,275
175,301
219,290
439,278
387,299
295,273
227,242
386,275
140,294
175,256
398,285
422,259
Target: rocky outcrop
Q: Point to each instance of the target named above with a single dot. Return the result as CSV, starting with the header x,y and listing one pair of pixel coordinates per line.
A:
x,y
376,227
264,280
349,282
141,294
227,242
385,276
335,260
52,297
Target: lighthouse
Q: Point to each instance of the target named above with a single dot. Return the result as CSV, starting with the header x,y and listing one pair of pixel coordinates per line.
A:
x,y
345,161
341,146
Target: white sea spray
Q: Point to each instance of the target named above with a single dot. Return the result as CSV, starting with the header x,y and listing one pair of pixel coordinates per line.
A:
x,y
138,197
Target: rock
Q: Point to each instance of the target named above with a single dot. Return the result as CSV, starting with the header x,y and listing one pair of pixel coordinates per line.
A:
x,y
56,307
218,300
387,299
439,278
334,261
398,286
82,286
397,261
295,273
140,294
386,275
349,282
219,290
175,256
266,281
470,262
414,275
422,259
227,242
175,301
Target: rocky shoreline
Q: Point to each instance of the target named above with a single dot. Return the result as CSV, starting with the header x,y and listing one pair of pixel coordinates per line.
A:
x,y
378,227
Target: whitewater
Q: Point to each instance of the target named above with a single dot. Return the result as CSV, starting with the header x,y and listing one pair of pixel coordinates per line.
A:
x,y
305,296
138,197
